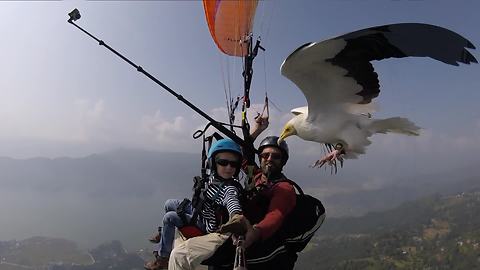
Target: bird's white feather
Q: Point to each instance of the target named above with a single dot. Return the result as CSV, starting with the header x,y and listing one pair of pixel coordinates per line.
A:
x,y
322,83
339,82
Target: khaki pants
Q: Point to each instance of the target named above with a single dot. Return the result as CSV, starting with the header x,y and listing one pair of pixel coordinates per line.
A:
x,y
190,254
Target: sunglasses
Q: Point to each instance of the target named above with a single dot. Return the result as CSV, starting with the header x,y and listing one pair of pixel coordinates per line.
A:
x,y
225,162
271,155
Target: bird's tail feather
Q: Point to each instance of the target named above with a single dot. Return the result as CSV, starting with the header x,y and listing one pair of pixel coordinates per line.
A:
x,y
395,125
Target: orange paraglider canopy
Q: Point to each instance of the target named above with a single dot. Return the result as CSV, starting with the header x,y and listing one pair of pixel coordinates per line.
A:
x,y
230,23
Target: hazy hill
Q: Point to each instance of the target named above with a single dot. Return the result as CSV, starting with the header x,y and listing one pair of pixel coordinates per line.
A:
x,y
361,202
437,232
40,251
116,195
117,173
356,195
43,253
120,194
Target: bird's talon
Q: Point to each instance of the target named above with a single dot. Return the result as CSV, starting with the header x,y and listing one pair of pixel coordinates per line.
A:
x,y
331,160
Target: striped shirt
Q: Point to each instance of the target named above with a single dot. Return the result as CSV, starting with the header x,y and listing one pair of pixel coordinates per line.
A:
x,y
218,194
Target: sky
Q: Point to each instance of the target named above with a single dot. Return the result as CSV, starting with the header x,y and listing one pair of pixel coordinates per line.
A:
x,y
63,95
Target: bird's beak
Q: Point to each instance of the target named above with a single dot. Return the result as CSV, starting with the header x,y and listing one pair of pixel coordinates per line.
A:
x,y
284,135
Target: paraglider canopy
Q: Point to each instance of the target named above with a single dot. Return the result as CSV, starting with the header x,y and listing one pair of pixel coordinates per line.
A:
x,y
230,23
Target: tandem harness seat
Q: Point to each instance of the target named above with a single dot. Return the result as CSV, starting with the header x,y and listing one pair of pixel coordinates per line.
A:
x,y
199,199
281,249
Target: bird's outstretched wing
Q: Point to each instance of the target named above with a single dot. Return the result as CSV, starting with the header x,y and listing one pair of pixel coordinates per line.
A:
x,y
338,71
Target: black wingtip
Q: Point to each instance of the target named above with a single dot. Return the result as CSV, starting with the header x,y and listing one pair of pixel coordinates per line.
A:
x,y
468,58
470,45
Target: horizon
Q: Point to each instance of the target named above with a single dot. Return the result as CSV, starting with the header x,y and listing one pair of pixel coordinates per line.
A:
x,y
85,199
96,102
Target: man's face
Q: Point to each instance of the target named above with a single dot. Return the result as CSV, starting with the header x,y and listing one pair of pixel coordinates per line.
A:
x,y
271,160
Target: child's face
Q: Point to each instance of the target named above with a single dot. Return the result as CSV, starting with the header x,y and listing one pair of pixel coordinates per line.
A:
x,y
227,164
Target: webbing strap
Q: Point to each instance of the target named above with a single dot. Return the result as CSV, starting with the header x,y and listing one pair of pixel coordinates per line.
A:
x,y
299,189
199,206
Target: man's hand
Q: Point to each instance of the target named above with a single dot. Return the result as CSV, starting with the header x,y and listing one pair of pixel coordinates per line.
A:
x,y
261,123
253,235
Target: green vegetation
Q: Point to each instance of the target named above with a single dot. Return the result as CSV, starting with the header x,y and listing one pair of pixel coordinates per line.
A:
x,y
433,233
436,232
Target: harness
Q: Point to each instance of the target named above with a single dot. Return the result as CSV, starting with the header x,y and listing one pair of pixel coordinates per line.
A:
x,y
199,198
296,231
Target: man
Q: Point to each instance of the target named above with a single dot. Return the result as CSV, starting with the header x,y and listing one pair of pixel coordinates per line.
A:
x,y
268,209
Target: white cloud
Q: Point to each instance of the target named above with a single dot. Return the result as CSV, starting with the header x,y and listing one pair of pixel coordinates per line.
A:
x,y
78,123
96,110
165,131
88,121
94,123
160,132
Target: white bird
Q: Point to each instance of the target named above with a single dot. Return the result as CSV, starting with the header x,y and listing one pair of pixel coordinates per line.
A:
x,y
339,83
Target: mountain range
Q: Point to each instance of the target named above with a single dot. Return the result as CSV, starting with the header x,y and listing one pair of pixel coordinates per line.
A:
x,y
120,194
434,232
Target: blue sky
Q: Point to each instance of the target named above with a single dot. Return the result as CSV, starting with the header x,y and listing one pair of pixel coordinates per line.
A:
x,y
63,95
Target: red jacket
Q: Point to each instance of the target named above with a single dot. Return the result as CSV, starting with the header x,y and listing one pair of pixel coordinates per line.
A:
x,y
271,205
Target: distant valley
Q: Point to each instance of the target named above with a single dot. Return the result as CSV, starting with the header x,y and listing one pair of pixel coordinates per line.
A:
x,y
435,232
120,194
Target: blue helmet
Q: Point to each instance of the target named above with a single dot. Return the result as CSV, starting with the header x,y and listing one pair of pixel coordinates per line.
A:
x,y
224,145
